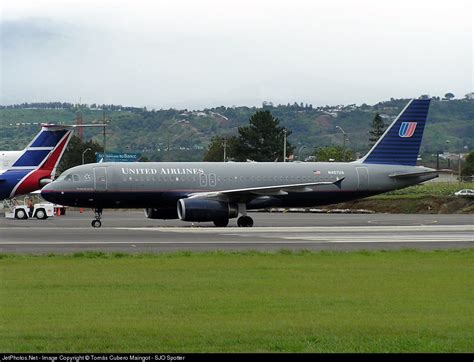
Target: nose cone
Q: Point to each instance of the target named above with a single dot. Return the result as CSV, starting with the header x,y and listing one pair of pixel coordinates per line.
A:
x,y
49,193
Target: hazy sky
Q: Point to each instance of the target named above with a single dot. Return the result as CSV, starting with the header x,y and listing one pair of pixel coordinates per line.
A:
x,y
194,54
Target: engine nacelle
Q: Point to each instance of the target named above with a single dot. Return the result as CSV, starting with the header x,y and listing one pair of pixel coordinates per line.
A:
x,y
206,210
161,213
45,181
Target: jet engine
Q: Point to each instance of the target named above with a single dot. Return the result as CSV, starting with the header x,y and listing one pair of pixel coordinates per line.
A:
x,y
45,181
161,213
206,210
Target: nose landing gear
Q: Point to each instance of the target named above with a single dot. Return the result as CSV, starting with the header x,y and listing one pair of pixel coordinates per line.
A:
x,y
96,223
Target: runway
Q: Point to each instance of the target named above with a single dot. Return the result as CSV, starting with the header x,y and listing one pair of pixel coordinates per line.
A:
x,y
131,232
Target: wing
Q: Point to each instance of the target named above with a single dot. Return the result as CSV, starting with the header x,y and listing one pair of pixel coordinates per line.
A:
x,y
246,194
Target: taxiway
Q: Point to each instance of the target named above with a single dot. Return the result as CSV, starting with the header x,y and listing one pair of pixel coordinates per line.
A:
x,y
129,231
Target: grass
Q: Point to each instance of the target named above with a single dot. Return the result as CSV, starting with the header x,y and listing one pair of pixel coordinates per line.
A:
x,y
432,189
401,301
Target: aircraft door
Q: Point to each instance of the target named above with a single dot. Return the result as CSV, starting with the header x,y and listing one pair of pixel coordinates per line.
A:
x,y
363,178
100,178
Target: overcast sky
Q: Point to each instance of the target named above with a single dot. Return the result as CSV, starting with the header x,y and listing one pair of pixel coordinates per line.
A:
x,y
195,54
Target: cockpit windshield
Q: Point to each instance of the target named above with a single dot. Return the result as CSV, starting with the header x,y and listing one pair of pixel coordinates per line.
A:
x,y
63,176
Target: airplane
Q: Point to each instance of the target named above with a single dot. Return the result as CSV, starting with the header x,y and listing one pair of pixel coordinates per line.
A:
x,y
22,172
219,191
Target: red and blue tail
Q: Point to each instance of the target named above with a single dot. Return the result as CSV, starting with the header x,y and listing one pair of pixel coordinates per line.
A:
x,y
36,164
400,144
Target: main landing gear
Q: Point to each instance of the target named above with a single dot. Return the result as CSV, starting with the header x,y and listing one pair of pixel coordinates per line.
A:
x,y
96,223
244,221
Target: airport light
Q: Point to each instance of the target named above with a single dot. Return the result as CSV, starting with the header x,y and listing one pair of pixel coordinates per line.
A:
x,y
344,139
224,144
459,163
168,133
299,152
83,153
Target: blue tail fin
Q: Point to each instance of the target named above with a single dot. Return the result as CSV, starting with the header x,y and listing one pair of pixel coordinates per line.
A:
x,y
400,143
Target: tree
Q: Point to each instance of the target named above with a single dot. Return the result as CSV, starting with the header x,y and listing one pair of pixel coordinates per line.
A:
x,y
468,169
262,140
333,153
378,128
143,159
215,150
449,96
74,151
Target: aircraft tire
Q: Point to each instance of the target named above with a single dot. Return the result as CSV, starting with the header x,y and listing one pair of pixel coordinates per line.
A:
x,y
96,223
221,223
245,222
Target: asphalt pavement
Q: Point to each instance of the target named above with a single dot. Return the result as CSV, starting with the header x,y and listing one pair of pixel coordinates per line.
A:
x,y
130,231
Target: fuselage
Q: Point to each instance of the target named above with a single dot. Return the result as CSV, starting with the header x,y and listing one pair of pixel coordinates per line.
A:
x,y
161,185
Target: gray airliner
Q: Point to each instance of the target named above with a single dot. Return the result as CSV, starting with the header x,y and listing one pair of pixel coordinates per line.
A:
x,y
217,192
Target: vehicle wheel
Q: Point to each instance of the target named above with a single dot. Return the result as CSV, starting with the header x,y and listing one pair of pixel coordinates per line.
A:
x,y
41,214
245,221
96,223
221,223
21,214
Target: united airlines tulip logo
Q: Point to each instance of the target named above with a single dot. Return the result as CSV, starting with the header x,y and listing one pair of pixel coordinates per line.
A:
x,y
407,129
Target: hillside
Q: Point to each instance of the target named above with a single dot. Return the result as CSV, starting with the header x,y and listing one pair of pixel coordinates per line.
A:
x,y
188,132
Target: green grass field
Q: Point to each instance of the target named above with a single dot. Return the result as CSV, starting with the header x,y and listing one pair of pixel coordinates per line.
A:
x,y
404,301
431,189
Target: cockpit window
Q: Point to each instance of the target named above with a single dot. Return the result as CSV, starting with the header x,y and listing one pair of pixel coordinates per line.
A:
x,y
75,178
68,178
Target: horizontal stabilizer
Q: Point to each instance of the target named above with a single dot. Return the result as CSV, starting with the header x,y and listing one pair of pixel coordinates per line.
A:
x,y
416,174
